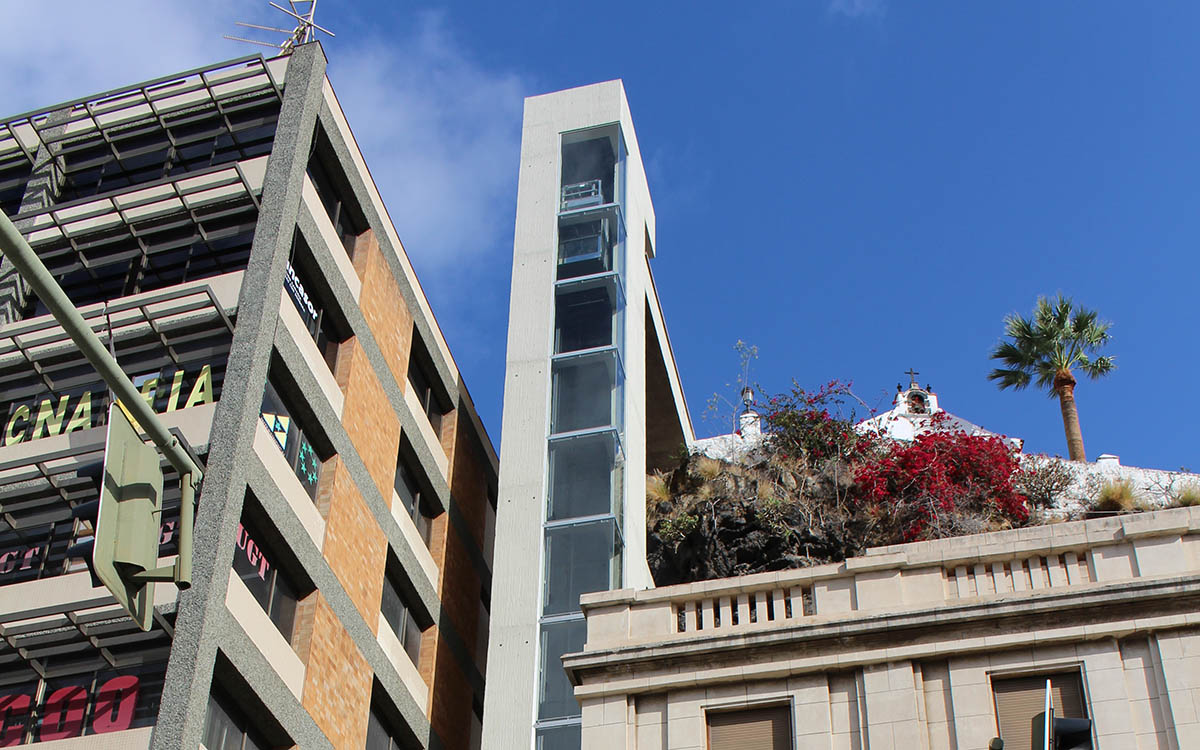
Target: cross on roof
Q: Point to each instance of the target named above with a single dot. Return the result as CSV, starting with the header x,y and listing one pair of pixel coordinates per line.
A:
x,y
912,376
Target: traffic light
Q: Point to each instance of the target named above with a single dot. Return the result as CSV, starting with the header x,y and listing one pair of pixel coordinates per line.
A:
x,y
1072,734
122,554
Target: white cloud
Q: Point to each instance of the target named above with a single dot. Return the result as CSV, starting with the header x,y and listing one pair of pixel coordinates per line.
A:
x,y
858,8
442,136
440,132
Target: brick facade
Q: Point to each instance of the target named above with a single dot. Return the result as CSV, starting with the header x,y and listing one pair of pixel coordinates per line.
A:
x,y
337,684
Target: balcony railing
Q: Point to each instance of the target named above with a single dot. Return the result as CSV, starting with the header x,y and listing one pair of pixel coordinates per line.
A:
x,y
582,195
959,571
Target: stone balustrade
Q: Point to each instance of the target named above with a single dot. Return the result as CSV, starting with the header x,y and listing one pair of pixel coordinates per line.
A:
x,y
919,576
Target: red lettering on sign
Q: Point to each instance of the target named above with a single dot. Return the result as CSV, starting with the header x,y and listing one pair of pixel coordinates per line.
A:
x,y
29,555
115,702
8,561
63,717
14,711
168,532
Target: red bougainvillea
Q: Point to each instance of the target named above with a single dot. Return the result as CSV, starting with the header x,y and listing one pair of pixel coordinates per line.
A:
x,y
943,483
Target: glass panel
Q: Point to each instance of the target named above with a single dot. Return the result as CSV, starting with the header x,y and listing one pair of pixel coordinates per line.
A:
x,y
579,559
378,737
406,487
585,476
556,697
588,169
584,247
220,730
586,393
270,588
586,315
559,738
300,454
399,618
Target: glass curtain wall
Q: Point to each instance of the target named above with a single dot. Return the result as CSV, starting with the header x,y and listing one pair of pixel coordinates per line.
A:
x,y
582,534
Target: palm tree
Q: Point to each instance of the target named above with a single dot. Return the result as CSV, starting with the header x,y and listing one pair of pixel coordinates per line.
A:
x,y
1056,340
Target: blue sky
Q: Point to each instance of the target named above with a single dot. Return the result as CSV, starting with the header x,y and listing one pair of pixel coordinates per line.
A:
x,y
855,187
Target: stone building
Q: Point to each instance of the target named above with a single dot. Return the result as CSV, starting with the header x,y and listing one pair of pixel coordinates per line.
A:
x,y
220,228
939,645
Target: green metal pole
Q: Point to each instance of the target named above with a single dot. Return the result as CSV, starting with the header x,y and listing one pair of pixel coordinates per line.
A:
x,y
31,268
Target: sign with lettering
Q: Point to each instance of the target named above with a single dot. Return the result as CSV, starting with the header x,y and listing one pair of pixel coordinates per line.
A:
x,y
44,559
89,703
64,415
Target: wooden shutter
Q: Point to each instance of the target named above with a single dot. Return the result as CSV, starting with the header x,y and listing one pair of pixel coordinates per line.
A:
x,y
756,729
1020,700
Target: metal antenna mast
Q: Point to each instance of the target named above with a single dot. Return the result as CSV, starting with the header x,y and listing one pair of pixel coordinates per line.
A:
x,y
301,34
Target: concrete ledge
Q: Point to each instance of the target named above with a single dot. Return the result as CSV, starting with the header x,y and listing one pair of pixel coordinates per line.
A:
x,y
311,354
408,530
263,634
410,677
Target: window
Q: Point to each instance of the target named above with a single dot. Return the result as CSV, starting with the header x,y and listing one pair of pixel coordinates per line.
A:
x,y
584,247
586,392
408,489
227,728
580,558
556,697
566,737
79,704
585,476
335,194
424,385
379,734
587,314
291,439
759,728
400,618
267,583
305,294
1021,706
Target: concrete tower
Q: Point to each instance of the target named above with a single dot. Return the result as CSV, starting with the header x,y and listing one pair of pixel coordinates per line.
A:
x,y
592,402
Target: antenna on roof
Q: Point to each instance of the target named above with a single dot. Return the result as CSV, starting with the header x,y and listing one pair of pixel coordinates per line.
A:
x,y
301,34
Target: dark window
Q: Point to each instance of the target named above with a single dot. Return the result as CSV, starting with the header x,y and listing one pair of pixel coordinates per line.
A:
x,y
585,392
584,318
584,247
401,619
585,163
306,296
556,697
297,448
15,169
206,136
269,585
380,735
335,193
585,476
422,384
559,738
151,254
580,558
410,492
227,728
759,728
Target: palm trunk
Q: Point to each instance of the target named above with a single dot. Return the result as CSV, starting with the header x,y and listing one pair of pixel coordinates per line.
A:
x,y
1064,387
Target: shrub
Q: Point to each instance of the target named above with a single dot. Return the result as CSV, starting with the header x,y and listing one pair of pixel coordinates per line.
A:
x,y
1187,496
1115,496
943,484
1044,480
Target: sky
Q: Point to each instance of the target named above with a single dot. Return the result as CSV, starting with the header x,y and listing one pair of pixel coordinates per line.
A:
x,y
855,187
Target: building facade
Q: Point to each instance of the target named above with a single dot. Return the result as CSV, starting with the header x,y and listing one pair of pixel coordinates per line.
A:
x,y
220,229
941,645
592,402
